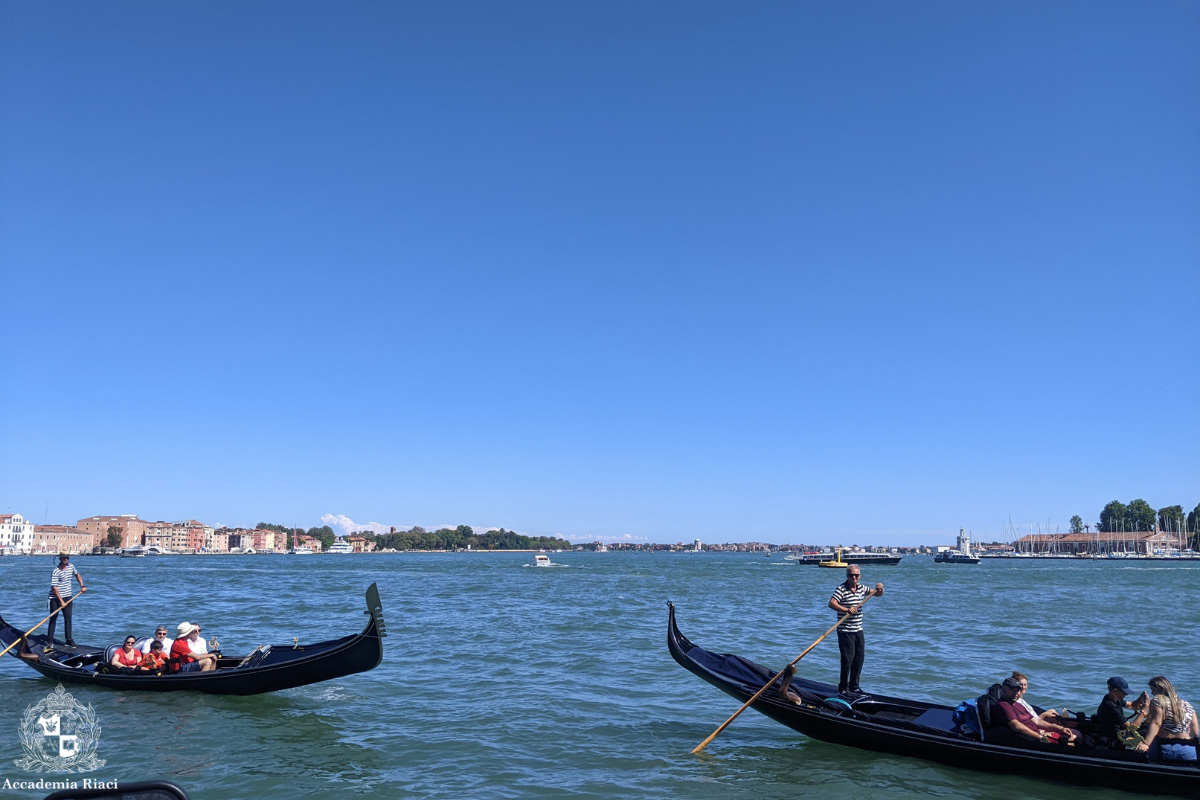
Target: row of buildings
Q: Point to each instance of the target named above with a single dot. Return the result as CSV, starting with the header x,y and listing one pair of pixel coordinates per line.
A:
x,y
19,536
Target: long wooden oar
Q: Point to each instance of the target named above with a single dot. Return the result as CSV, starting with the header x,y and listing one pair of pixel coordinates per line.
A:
x,y
40,624
757,694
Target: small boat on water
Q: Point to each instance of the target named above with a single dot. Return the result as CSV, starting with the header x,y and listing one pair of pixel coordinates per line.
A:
x,y
268,668
922,730
542,560
959,554
135,551
300,550
954,557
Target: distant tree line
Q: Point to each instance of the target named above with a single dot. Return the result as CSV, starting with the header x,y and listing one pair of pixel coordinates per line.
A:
x,y
417,538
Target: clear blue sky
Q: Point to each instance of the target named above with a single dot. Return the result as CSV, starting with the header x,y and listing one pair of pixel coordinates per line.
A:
x,y
795,272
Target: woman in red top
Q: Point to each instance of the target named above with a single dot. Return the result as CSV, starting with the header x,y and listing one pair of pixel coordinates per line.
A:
x,y
127,655
181,652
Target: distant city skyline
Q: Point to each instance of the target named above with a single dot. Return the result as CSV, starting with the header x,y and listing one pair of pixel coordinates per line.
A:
x,y
343,525
810,272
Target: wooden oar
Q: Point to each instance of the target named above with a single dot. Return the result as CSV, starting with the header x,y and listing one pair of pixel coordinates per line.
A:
x,y
757,694
40,624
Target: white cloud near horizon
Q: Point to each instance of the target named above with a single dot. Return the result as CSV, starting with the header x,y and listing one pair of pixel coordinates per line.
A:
x,y
348,526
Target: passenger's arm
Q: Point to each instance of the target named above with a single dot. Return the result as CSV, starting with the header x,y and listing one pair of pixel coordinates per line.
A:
x,y
1156,718
1024,730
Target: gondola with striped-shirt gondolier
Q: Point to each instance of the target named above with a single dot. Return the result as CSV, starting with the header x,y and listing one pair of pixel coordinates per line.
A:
x,y
60,595
848,598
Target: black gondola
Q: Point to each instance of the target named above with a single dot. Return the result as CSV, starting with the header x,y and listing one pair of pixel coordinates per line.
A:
x,y
267,669
923,730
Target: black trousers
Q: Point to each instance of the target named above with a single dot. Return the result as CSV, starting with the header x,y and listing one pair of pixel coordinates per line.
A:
x,y
853,646
65,612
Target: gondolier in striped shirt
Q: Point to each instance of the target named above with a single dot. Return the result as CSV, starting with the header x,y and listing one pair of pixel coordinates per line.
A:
x,y
60,593
848,598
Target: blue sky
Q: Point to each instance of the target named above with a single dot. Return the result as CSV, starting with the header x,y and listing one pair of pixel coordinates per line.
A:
x,y
794,272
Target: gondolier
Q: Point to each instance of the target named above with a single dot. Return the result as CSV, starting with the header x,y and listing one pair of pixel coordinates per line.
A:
x,y
60,596
848,598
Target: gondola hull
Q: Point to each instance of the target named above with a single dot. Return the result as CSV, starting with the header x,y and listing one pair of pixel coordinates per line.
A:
x,y
282,667
921,730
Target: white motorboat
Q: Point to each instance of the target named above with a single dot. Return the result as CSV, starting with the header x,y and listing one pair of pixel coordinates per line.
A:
x,y
340,546
542,560
136,551
301,550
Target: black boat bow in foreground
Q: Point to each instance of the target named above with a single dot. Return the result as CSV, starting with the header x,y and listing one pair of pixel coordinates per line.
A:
x,y
267,669
923,730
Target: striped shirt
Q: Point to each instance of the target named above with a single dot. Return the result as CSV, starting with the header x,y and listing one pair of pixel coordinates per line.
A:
x,y
61,579
844,597
1170,725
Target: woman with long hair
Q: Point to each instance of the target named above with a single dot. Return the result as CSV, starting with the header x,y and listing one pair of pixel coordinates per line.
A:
x,y
1174,726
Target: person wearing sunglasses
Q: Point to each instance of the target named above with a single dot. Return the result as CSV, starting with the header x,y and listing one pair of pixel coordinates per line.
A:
x,y
127,655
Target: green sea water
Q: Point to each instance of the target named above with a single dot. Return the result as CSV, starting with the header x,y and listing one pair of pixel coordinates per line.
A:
x,y
501,680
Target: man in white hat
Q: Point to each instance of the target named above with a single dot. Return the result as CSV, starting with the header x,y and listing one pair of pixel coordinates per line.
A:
x,y
184,657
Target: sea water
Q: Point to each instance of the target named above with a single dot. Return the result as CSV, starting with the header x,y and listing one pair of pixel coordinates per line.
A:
x,y
503,681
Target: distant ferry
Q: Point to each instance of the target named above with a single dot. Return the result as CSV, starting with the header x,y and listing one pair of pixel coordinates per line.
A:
x,y
340,546
848,556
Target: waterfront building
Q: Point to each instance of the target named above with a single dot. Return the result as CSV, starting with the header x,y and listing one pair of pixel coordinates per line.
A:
x,y
1101,543
216,541
16,535
360,544
132,529
50,539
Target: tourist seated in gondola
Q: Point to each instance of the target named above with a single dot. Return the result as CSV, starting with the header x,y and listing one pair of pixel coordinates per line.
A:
x,y
1049,715
160,636
183,658
1015,725
127,656
1110,719
156,660
1174,727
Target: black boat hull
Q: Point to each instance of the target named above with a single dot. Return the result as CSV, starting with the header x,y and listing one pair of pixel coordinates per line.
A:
x,y
930,737
284,666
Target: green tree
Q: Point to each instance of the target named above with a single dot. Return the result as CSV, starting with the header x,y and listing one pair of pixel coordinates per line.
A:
x,y
1114,517
325,534
1076,524
1141,516
115,535
1171,518
1193,523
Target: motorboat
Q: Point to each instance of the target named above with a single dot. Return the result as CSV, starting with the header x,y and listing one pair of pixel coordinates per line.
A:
x,y
340,546
301,550
542,560
135,551
959,554
954,557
